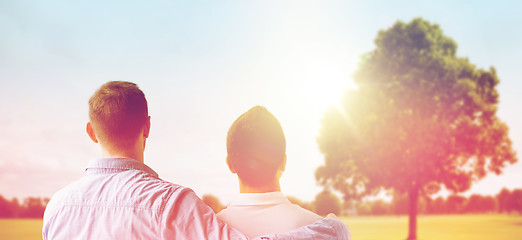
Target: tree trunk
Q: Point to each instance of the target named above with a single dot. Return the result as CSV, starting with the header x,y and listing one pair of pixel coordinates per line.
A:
x,y
414,198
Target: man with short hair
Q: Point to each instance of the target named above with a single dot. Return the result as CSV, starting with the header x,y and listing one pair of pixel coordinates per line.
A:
x,y
256,152
122,198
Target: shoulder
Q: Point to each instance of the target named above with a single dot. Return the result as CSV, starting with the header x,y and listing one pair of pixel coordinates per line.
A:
x,y
225,214
58,200
161,194
161,186
305,214
171,189
177,197
63,194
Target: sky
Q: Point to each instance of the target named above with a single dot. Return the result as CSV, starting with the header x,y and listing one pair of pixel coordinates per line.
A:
x,y
203,63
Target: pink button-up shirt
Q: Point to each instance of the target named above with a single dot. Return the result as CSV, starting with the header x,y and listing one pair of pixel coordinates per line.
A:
x,y
121,198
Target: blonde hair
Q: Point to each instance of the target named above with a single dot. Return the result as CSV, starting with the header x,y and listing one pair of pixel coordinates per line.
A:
x,y
256,146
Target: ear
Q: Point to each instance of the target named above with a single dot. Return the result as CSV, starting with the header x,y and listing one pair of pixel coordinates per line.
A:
x,y
91,133
229,166
282,167
146,130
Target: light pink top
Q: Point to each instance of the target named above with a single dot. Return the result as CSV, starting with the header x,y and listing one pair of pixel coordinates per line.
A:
x,y
256,214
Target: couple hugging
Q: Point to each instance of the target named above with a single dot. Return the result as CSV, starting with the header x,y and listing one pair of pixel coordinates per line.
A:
x,y
122,198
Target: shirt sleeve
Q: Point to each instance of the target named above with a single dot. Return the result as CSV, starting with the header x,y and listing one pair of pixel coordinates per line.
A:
x,y
187,217
324,229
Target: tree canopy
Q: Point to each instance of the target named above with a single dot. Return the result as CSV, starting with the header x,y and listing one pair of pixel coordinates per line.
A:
x,y
421,117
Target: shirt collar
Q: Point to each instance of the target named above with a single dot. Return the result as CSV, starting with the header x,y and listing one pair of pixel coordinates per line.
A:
x,y
117,164
253,199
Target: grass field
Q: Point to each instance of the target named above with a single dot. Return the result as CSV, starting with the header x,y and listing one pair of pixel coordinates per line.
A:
x,y
11,229
439,227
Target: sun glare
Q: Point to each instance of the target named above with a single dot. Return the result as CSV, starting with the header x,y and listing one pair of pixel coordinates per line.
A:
x,y
325,89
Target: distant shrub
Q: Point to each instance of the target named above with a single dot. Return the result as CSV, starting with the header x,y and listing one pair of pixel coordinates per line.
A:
x,y
326,202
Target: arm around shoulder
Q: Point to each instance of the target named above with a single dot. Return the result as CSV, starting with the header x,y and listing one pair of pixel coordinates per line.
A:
x,y
326,228
187,217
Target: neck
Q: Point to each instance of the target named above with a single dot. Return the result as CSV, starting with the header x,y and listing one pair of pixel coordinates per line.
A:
x,y
274,187
134,153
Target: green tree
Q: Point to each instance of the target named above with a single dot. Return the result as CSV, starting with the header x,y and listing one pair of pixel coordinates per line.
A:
x,y
363,208
503,198
438,206
326,202
6,210
399,203
33,207
456,204
380,207
515,202
481,204
420,118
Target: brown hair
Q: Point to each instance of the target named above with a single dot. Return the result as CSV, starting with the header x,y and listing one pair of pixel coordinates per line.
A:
x,y
118,111
256,146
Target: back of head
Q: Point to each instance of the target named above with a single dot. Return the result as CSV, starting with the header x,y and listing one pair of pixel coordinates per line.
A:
x,y
256,147
118,111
